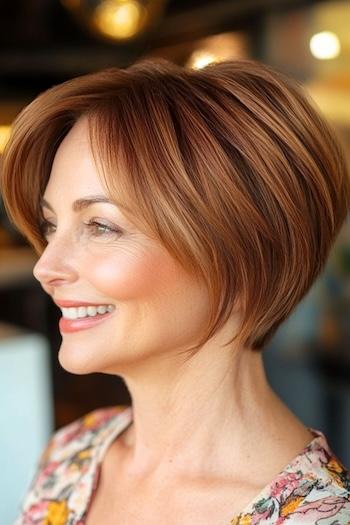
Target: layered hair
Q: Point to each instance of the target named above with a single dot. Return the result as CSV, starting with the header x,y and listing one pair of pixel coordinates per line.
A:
x,y
231,167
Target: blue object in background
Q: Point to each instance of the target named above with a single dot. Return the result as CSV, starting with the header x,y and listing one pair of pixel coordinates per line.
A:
x,y
26,413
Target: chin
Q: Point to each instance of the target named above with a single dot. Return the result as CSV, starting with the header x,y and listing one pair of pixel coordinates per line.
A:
x,y
75,359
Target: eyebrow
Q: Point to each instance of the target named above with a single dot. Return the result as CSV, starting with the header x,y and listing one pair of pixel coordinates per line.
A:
x,y
81,204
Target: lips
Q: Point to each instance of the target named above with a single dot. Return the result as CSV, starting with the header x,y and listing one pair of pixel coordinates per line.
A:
x,y
74,325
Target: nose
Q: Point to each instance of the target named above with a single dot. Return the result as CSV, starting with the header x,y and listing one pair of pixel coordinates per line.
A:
x,y
55,265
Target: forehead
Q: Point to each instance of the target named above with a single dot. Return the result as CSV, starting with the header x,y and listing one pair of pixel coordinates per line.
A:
x,y
73,170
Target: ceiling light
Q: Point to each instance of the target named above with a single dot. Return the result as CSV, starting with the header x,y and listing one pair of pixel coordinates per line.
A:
x,y
325,45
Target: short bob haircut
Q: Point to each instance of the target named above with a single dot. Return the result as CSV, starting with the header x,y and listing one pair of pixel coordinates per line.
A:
x,y
231,167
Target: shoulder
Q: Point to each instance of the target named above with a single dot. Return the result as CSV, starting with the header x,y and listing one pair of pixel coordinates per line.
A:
x,y
327,494
322,493
68,457
313,489
79,434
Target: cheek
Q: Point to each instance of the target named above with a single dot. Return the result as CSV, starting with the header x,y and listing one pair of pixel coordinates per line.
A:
x,y
128,275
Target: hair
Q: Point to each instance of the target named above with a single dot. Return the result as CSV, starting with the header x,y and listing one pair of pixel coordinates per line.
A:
x,y
231,167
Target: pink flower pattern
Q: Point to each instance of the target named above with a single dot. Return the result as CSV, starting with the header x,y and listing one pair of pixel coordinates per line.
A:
x,y
313,489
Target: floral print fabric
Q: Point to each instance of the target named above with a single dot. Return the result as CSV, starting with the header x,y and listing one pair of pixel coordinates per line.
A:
x,y
314,488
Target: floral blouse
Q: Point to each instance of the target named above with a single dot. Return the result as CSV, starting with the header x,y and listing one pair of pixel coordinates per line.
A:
x,y
314,488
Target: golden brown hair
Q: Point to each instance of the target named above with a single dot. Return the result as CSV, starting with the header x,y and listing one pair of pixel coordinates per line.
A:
x,y
231,168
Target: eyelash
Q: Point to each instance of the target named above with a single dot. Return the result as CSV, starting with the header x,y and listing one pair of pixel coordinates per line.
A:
x,y
92,225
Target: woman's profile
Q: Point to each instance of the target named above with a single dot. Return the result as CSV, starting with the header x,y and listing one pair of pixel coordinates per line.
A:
x,y
180,216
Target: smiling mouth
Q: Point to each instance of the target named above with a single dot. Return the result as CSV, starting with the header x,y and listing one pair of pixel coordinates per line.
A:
x,y
69,325
80,312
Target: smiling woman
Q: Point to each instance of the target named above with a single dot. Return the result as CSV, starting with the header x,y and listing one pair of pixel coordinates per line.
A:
x,y
180,216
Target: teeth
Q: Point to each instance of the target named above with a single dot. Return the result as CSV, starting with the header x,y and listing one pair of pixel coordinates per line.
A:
x,y
91,310
86,311
81,311
101,309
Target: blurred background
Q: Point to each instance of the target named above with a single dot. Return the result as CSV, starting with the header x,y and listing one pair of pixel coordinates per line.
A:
x,y
44,42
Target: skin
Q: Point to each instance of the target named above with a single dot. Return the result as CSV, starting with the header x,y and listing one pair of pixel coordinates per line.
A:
x,y
196,423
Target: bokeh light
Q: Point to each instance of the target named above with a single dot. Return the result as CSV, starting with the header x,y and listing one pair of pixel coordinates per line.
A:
x,y
325,45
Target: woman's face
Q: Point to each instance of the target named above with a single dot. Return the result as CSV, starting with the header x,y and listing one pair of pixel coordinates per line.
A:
x,y
156,307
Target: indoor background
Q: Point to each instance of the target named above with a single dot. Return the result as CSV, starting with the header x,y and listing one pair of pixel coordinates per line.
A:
x,y
43,43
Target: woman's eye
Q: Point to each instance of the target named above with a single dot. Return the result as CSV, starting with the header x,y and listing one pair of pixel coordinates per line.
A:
x,y
45,227
94,227
98,228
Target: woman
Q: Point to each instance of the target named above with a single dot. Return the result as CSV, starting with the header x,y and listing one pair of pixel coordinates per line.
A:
x,y
180,216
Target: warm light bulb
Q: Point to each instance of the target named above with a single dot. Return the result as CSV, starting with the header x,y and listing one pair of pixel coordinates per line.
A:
x,y
118,18
325,45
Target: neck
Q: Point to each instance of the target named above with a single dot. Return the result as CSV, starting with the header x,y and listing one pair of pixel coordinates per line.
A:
x,y
203,415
